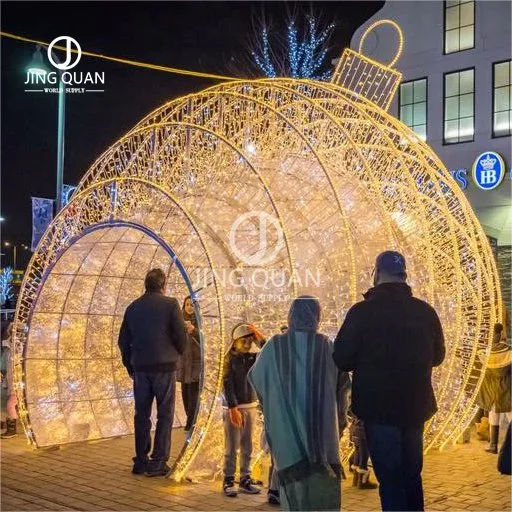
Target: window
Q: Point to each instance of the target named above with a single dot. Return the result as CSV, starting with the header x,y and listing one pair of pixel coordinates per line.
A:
x,y
502,99
459,25
459,106
413,106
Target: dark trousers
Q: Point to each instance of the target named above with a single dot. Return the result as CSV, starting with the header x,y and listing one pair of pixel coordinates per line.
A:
x,y
190,394
146,388
397,456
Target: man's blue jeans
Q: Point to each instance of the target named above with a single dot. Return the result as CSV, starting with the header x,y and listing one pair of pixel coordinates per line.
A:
x,y
397,456
146,388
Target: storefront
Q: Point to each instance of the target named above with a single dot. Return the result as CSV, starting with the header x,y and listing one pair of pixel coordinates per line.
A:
x,y
456,94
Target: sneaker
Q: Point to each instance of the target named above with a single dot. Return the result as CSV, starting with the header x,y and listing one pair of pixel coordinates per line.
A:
x,y
139,468
273,497
247,486
364,481
157,468
229,487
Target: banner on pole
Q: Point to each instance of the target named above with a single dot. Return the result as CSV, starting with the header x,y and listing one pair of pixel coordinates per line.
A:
x,y
67,192
42,214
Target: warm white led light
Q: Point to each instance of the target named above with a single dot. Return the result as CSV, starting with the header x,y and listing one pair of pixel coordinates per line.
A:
x,y
333,173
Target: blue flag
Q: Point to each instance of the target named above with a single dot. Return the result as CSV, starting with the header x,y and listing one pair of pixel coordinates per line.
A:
x,y
42,215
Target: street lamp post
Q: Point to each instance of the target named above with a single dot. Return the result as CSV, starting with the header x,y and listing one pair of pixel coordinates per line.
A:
x,y
38,66
15,252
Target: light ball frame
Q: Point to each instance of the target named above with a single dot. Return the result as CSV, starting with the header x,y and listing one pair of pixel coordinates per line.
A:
x,y
344,179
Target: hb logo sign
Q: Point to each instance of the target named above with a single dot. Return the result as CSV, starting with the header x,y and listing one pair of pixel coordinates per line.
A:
x,y
488,170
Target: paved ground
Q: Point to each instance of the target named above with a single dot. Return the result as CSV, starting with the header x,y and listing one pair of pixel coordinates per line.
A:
x,y
96,476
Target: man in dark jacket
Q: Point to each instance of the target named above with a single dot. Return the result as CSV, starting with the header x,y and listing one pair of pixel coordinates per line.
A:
x,y
391,341
151,339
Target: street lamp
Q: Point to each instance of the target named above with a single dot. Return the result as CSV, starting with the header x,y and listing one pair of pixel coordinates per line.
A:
x,y
15,252
38,67
14,248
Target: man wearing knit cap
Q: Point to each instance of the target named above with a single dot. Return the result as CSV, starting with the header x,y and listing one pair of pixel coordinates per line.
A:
x,y
391,341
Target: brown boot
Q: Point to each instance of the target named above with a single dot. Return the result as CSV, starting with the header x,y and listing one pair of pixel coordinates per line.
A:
x,y
11,429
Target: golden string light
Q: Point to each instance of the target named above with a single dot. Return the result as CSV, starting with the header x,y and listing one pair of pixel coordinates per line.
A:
x,y
321,164
120,60
380,23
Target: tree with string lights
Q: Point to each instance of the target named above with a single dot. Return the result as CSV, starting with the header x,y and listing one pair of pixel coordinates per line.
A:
x,y
301,55
6,275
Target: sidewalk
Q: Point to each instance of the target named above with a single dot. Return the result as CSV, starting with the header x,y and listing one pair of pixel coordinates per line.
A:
x,y
96,476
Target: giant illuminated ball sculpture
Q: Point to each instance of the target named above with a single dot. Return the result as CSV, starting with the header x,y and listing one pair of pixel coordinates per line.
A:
x,y
328,176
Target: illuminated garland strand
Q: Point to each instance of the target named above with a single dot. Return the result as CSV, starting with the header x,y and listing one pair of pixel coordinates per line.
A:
x,y
135,63
305,58
264,61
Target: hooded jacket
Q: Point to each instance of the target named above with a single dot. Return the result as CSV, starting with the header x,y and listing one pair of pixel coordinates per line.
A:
x,y
391,341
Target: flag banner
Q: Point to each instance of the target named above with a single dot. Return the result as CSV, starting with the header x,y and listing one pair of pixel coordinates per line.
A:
x,y
42,214
67,192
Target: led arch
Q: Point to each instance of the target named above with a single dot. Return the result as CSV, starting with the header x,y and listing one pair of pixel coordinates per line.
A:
x,y
343,179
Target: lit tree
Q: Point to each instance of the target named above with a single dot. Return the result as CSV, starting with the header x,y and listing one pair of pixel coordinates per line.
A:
x,y
6,275
304,53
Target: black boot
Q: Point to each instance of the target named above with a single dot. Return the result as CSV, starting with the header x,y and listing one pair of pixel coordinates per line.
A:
x,y
11,429
273,497
493,444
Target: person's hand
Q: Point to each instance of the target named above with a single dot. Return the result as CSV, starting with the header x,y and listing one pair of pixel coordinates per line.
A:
x,y
189,326
258,335
235,417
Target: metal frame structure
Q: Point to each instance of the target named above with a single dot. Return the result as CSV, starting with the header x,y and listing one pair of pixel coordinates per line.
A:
x,y
343,179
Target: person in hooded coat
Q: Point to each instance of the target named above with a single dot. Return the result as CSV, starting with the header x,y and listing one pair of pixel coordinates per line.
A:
x,y
296,383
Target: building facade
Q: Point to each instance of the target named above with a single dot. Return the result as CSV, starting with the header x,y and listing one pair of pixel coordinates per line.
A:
x,y
456,93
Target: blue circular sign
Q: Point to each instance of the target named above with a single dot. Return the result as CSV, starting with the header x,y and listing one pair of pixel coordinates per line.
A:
x,y
488,170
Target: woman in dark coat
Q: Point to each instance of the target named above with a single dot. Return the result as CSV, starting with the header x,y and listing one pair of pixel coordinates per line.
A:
x,y
495,393
189,370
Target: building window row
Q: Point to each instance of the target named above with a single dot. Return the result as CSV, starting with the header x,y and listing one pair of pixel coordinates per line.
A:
x,y
502,99
413,106
459,104
459,25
